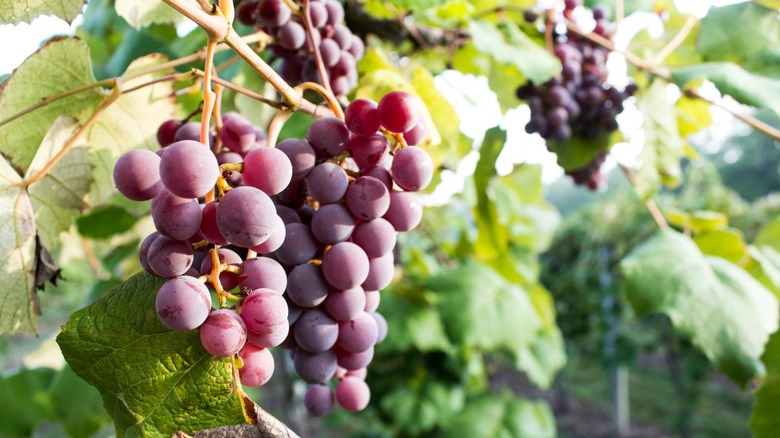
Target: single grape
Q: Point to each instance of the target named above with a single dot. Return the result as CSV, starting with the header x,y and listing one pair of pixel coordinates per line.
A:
x,y
359,334
345,305
237,133
353,361
247,13
405,211
417,134
262,273
223,333
208,225
288,215
332,223
269,340
330,52
370,151
267,169
315,367
299,246
306,285
381,174
143,251
398,111
345,265
367,198
380,272
361,117
318,14
335,12
357,48
381,326
352,394
245,216
263,311
169,258
137,175
294,311
318,399
188,169
412,168
327,183
344,65
167,131
315,331
328,136
343,36
301,156
258,365
183,303
274,13
376,237
372,300
275,241
291,35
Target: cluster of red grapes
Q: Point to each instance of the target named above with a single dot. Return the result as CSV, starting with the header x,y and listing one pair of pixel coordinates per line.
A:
x,y
339,48
578,103
301,236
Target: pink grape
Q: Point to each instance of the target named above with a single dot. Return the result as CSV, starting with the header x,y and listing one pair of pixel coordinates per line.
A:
x,y
183,303
223,333
267,169
398,111
188,169
345,305
137,175
263,273
412,168
258,365
352,394
359,334
264,310
345,265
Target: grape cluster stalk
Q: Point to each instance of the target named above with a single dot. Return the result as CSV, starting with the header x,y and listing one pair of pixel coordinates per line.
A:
x,y
339,48
578,103
296,244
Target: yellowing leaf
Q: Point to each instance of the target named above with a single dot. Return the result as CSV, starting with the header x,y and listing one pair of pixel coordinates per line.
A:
x,y
18,11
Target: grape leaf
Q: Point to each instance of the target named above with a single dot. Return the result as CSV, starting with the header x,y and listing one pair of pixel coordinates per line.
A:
x,y
663,148
492,239
60,65
17,254
513,47
153,381
735,32
423,407
729,78
726,312
764,265
18,11
24,401
105,221
727,244
413,326
483,310
490,416
142,13
545,355
58,197
129,123
764,421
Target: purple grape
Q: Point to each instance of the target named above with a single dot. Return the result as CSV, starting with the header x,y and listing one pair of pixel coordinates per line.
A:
x,y
359,334
412,168
327,183
189,169
223,333
398,111
167,131
372,300
345,265
137,175
315,367
335,12
361,117
416,135
208,225
299,245
169,258
315,331
269,340
318,14
376,237
258,365
332,223
247,13
344,65
381,326
288,214
381,174
263,311
328,136
330,52
318,399
143,251
275,241
367,198
343,36
345,305
237,133
306,285
353,361
188,131
175,217
301,156
263,273
245,216
405,211
274,13
291,35
267,169
371,151
183,303
357,48
352,394
380,272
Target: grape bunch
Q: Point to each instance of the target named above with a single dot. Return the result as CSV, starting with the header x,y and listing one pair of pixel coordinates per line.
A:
x,y
578,103
339,48
300,236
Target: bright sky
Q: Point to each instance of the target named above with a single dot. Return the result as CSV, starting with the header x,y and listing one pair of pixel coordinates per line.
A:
x,y
475,103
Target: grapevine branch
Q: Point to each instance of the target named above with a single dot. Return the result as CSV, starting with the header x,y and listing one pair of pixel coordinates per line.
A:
x,y
651,206
314,48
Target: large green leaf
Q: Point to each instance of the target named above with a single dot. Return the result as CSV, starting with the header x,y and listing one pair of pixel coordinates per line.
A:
x,y
24,401
17,254
414,324
735,32
153,381
764,421
58,197
421,409
546,354
60,65
18,11
726,312
481,309
663,148
743,86
507,44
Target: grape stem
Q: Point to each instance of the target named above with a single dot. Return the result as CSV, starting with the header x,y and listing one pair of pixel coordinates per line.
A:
x,y
316,50
326,94
651,206
209,98
675,42
216,269
275,127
